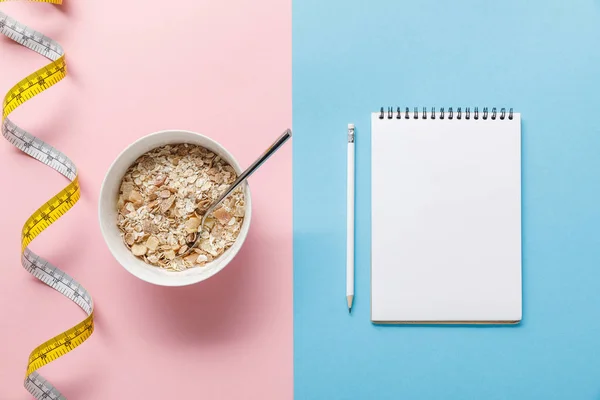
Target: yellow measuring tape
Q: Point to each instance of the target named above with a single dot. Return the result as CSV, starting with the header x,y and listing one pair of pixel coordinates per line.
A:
x,y
53,209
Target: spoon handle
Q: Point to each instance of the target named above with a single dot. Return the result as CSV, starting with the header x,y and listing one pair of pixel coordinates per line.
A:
x,y
244,175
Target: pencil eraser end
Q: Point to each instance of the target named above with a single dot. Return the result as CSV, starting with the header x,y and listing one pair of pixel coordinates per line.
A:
x,y
350,126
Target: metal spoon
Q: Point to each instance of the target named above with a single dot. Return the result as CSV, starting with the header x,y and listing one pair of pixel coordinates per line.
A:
x,y
244,175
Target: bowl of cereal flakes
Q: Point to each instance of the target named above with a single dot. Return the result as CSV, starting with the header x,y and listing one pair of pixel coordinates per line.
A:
x,y
153,198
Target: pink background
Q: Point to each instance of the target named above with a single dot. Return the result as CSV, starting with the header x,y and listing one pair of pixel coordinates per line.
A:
x,y
221,68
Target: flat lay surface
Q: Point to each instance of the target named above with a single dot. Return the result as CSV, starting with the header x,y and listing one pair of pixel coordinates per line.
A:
x,y
220,69
540,57
274,324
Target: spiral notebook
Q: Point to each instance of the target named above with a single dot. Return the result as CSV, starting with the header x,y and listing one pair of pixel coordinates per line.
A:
x,y
446,216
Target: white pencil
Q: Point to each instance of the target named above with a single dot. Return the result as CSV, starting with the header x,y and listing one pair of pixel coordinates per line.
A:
x,y
350,224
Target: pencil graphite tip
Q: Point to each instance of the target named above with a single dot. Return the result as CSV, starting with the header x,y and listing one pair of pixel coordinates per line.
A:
x,y
349,310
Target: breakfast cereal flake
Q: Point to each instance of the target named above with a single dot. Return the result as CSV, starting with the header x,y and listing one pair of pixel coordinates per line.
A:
x,y
162,200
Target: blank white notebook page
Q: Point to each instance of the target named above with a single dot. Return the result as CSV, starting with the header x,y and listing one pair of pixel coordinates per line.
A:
x,y
446,220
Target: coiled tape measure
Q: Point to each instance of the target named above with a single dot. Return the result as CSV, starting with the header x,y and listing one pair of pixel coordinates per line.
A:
x,y
53,209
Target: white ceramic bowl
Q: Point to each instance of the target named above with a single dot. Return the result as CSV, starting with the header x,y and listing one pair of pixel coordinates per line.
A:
x,y
107,211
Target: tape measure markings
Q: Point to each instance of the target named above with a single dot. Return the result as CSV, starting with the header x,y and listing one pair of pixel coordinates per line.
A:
x,y
50,212
30,87
49,274
53,209
59,345
49,155
20,33
35,383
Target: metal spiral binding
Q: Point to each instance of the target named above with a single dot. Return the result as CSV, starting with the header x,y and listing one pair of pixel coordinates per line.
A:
x,y
450,114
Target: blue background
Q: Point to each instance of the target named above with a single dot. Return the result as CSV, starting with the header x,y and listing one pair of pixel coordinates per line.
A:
x,y
351,57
